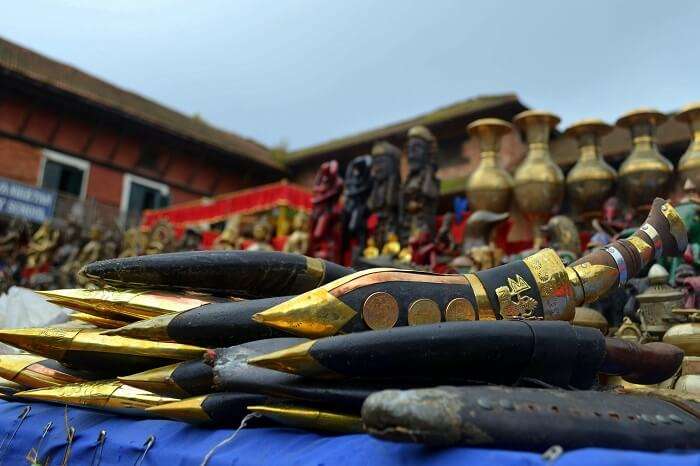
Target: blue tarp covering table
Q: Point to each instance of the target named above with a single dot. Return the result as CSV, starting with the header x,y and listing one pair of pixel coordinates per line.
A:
x,y
177,443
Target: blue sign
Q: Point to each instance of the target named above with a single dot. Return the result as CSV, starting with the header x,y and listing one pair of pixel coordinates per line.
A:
x,y
21,200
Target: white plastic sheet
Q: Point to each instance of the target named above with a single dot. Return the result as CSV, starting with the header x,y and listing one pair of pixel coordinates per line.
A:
x,y
21,308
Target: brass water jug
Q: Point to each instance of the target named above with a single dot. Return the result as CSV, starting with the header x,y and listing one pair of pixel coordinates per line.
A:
x,y
689,164
539,182
591,181
489,187
645,174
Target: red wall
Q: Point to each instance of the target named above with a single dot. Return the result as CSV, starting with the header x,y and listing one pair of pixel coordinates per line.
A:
x,y
111,150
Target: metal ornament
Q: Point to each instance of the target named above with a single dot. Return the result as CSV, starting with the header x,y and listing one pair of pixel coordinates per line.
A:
x,y
380,311
689,164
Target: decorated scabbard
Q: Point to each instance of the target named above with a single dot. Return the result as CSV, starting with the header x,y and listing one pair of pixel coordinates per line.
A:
x,y
227,409
212,325
232,373
508,352
245,274
126,305
537,287
33,371
179,380
89,349
532,419
106,395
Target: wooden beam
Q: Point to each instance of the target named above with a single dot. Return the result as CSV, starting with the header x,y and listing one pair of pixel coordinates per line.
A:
x,y
91,138
166,166
27,116
56,127
193,174
217,181
116,146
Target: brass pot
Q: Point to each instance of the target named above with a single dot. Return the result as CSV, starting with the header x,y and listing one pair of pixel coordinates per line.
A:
x,y
645,174
591,181
489,187
539,182
686,337
689,164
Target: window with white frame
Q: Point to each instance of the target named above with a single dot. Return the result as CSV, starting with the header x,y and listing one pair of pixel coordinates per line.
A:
x,y
63,173
139,194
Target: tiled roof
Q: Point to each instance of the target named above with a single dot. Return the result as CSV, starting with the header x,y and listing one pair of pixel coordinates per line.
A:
x,y
33,66
459,109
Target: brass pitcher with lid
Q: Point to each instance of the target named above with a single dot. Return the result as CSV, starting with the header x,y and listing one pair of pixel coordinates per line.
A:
x,y
489,187
645,174
591,181
539,182
689,164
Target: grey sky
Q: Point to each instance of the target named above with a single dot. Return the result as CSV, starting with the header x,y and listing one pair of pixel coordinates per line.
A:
x,y
304,72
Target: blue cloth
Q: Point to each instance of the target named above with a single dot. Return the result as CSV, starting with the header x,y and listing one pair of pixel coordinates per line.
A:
x,y
178,444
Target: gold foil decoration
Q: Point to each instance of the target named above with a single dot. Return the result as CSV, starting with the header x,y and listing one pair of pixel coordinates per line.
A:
x,y
380,311
188,410
55,342
539,182
689,164
591,180
459,309
489,187
109,395
645,174
133,304
296,359
424,311
158,380
484,309
309,418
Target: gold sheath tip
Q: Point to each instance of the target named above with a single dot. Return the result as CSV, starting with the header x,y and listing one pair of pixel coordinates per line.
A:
x,y
294,360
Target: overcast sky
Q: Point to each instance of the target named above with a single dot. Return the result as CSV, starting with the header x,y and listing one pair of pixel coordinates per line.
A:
x,y
302,72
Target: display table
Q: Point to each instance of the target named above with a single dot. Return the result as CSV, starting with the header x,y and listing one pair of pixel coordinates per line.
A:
x,y
177,443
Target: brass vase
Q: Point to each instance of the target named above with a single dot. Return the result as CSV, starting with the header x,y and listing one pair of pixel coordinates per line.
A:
x,y
539,182
689,164
489,187
591,181
645,174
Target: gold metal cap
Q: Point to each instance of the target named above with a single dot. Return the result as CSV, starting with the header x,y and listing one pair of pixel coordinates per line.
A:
x,y
154,329
138,304
314,314
13,364
494,125
106,394
294,360
98,321
308,418
188,410
157,380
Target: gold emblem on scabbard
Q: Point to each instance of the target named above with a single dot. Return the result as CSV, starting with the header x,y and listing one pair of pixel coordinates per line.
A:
x,y
512,303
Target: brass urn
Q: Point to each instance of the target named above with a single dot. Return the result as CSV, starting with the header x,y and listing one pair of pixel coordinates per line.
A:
x,y
489,187
689,164
591,181
645,174
539,182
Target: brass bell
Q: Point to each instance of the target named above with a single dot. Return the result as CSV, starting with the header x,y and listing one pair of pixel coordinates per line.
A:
x,y
645,174
591,181
656,304
489,187
689,164
539,182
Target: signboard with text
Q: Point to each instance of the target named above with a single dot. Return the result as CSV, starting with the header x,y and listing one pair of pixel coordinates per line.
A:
x,y
29,202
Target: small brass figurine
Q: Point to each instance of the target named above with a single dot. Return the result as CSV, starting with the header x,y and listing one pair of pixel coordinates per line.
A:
x,y
383,200
262,235
358,186
298,241
421,189
230,237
